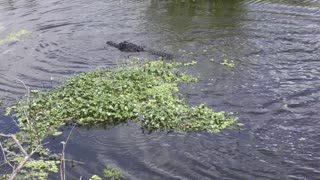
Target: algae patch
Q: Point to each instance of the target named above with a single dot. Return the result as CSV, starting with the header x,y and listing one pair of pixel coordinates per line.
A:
x,y
14,36
228,63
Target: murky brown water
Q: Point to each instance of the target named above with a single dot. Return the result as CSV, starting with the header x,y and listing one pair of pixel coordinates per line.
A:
x,y
275,86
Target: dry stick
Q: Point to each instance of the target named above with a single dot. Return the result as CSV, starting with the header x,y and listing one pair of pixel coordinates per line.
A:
x,y
14,121
74,161
25,86
16,141
21,165
63,161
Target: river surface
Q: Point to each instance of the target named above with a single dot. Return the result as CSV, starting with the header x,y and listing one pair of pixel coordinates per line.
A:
x,y
274,88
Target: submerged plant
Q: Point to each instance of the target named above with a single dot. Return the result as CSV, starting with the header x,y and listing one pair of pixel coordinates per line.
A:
x,y
14,36
145,93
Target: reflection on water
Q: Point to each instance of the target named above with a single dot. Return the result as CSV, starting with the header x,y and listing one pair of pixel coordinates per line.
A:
x,y
274,86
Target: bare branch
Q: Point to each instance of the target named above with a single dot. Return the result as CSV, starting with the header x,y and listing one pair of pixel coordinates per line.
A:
x,y
63,160
15,122
16,141
74,161
70,133
5,135
21,165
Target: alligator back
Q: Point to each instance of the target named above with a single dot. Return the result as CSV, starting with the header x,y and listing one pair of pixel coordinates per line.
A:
x,y
130,47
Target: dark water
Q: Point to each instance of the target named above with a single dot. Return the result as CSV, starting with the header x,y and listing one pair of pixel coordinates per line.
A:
x,y
275,86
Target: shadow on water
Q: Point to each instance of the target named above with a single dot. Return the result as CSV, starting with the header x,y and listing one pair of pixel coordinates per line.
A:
x,y
274,87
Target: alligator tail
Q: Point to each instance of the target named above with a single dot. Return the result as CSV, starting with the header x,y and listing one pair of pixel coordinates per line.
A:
x,y
161,54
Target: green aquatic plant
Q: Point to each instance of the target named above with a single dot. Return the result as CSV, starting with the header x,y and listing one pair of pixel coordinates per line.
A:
x,y
95,177
113,173
110,173
146,93
15,36
227,61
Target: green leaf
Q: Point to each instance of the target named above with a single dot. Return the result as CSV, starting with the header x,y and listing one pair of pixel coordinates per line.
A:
x,y
57,133
9,109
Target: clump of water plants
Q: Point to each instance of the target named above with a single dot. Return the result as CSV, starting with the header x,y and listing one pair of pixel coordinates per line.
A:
x,y
227,61
95,177
146,93
112,173
14,36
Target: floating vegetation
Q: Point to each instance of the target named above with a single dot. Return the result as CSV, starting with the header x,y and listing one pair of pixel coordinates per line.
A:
x,y
109,172
146,93
95,177
227,61
113,173
16,36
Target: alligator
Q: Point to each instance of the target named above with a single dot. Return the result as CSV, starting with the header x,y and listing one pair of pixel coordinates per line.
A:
x,y
126,46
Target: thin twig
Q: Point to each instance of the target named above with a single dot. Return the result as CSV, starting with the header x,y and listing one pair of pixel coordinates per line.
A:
x,y
15,122
74,161
61,164
63,161
70,133
25,86
31,126
4,155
